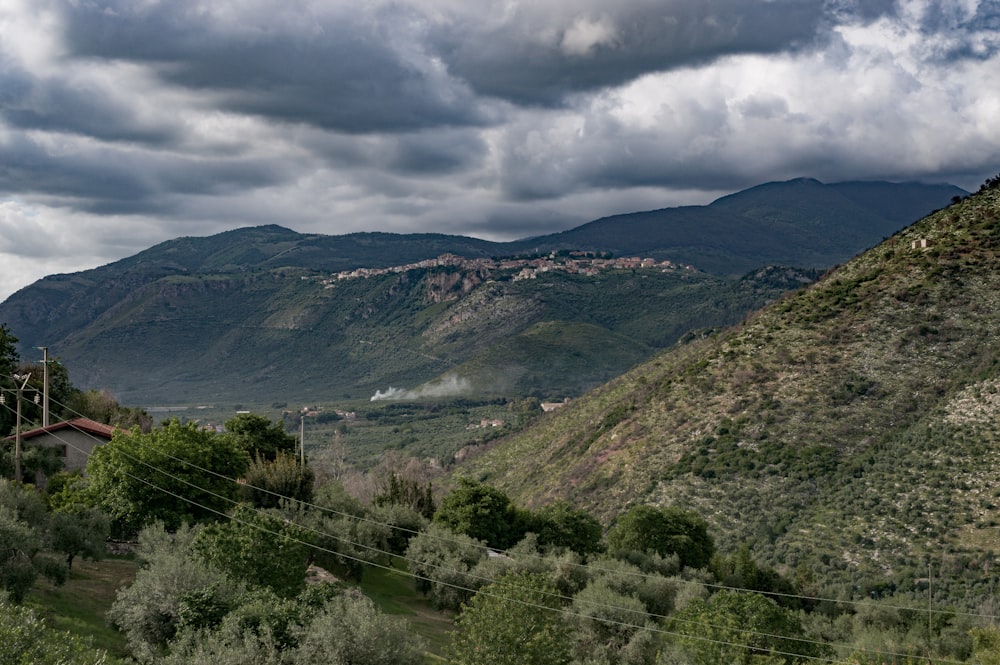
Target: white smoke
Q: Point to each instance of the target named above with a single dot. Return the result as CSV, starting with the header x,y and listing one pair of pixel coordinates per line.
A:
x,y
450,385
391,393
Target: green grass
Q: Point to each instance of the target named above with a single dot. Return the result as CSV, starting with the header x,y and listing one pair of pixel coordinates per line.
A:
x,y
394,593
79,606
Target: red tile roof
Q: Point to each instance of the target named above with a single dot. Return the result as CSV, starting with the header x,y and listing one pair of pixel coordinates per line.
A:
x,y
85,425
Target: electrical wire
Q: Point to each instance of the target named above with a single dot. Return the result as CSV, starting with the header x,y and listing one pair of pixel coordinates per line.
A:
x,y
589,567
465,574
486,592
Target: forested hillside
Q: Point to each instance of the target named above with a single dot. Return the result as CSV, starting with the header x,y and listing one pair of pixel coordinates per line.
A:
x,y
293,334
848,430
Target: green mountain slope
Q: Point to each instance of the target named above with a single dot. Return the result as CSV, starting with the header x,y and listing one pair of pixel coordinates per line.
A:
x,y
801,222
286,334
244,315
849,430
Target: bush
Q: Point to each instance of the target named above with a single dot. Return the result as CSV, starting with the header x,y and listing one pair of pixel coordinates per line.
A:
x,y
152,609
25,640
482,512
663,531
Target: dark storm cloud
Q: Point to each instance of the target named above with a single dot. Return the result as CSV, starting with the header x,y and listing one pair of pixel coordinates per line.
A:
x,y
372,69
72,105
428,153
128,122
957,35
619,43
338,70
108,180
436,152
863,10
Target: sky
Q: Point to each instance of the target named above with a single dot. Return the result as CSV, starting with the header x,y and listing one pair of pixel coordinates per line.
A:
x,y
124,123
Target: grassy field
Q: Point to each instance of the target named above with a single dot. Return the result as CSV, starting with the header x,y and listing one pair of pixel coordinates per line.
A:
x,y
394,593
80,605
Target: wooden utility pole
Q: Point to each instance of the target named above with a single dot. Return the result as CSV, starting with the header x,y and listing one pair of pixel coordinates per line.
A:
x,y
930,606
45,385
302,439
17,427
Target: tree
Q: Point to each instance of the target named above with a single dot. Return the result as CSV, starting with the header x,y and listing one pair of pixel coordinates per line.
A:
x,y
82,531
349,630
738,627
159,601
407,492
663,531
481,512
25,640
175,474
739,570
258,549
390,527
23,523
34,460
270,482
986,641
101,406
612,626
515,620
18,546
258,436
8,366
559,524
440,561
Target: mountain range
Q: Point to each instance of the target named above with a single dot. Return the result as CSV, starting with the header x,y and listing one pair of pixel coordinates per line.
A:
x,y
266,313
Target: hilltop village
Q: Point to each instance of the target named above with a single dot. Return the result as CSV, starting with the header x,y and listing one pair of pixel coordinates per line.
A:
x,y
580,263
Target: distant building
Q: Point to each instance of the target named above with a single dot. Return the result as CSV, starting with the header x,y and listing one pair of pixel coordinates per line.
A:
x,y
74,439
921,243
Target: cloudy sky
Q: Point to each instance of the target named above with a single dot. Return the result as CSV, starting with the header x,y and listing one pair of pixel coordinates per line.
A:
x,y
127,122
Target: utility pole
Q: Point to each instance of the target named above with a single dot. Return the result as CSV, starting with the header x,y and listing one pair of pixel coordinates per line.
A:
x,y
17,427
930,606
302,439
45,384
18,390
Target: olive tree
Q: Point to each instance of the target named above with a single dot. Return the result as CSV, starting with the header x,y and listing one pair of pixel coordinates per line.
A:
x,y
481,512
175,474
662,531
515,620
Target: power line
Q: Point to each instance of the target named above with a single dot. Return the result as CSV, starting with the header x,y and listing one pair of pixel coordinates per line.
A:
x,y
487,580
487,549
466,574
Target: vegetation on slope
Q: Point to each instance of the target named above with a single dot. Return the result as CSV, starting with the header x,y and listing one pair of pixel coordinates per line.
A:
x,y
240,315
801,222
849,429
295,334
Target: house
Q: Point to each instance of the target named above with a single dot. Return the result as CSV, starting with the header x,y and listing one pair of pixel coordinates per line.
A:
x,y
74,439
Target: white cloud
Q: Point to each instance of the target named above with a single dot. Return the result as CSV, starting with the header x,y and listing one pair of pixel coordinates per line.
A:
x,y
123,124
586,34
